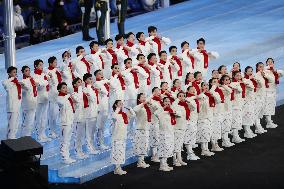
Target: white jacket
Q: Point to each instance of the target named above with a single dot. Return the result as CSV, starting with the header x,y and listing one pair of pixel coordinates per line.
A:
x,y
238,102
79,105
29,101
181,120
103,95
261,87
168,69
143,76
155,77
67,73
42,88
250,94
193,108
116,90
227,93
79,67
121,56
65,110
97,62
146,49
107,58
13,103
91,111
119,131
53,82
154,46
206,112
142,118
271,83
187,64
164,121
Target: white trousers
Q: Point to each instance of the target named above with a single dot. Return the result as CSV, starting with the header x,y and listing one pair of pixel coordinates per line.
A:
x,y
53,114
118,152
66,135
90,130
41,119
102,119
28,122
13,124
80,130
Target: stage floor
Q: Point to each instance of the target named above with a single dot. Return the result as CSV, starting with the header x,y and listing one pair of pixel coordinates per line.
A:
x,y
244,31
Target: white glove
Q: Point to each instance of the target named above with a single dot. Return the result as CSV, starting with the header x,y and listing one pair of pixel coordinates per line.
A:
x,y
83,9
119,7
99,13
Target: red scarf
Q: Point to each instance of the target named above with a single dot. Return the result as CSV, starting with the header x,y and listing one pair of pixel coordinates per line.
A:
x,y
124,116
124,49
70,66
114,56
211,99
205,56
142,43
39,72
158,42
179,64
276,76
97,94
243,86
168,94
195,84
147,71
173,117
161,73
85,100
105,85
196,101
187,110
129,44
232,94
103,64
75,89
58,74
19,88
135,77
87,64
33,85
158,99
169,68
253,81
148,111
175,88
69,99
221,94
121,80
191,58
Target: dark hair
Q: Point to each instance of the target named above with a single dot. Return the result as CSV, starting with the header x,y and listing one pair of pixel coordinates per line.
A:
x,y
75,80
60,85
93,43
138,56
129,34
154,88
187,75
10,69
86,76
196,73
189,87
24,67
257,64
214,71
234,73
64,54
97,71
112,66
151,29
172,47
166,98
138,35
125,60
222,79
202,83
269,59
108,40
220,68
150,55
36,62
161,52
200,39
118,37
138,97
174,82
210,82
114,104
162,83
248,67
78,49
183,43
51,59
180,93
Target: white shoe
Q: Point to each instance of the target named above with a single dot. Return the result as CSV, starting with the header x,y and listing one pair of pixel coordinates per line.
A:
x,y
247,135
264,130
142,165
155,159
119,171
206,153
92,150
170,168
81,155
271,126
192,157
103,147
217,149
69,160
164,168
182,162
177,163
259,131
53,135
194,145
227,144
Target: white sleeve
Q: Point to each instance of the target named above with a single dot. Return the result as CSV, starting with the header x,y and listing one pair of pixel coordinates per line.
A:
x,y
166,40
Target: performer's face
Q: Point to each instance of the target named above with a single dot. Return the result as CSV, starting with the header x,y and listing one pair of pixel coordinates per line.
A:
x,y
167,102
119,104
238,76
64,89
131,38
109,45
236,66
95,47
142,37
54,63
200,45
153,33
191,90
116,69
78,83
100,75
120,41
177,83
66,56
174,51
185,46
199,77
13,73
181,96
260,67
165,86
82,52
142,59
249,72
215,74
157,92
128,64
190,77
142,98
40,66
163,56
215,82
223,70
154,59
27,72
227,81
205,87
89,81
270,63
